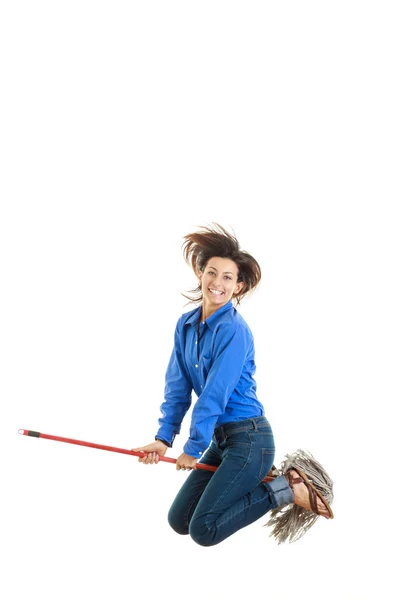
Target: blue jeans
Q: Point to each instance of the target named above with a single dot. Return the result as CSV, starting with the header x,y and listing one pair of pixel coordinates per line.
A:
x,y
212,505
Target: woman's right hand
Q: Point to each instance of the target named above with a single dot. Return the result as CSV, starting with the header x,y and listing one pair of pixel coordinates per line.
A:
x,y
154,450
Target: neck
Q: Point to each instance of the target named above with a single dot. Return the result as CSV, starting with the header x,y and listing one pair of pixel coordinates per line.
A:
x,y
207,312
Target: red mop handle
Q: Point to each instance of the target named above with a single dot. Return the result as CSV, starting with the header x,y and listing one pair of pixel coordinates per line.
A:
x,y
56,438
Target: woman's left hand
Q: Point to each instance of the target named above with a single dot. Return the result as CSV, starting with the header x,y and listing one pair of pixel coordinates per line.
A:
x,y
184,461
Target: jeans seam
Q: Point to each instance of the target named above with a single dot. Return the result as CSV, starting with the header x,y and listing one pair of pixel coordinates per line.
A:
x,y
265,452
232,482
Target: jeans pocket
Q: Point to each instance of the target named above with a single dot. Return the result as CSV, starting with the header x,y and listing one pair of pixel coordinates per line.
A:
x,y
267,459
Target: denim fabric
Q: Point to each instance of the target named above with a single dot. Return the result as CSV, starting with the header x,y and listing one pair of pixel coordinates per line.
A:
x,y
212,505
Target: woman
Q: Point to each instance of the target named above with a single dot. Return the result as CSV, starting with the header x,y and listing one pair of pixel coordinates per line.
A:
x,y
213,355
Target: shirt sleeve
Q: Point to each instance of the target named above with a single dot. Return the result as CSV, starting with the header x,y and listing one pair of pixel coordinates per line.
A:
x,y
177,393
233,342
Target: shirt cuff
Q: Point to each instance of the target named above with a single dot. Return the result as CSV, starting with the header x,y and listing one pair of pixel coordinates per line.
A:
x,y
165,434
194,449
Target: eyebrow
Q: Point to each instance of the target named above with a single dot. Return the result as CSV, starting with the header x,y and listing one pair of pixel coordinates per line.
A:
x,y
210,267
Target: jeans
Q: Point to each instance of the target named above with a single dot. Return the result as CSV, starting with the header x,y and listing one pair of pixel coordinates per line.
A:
x,y
212,505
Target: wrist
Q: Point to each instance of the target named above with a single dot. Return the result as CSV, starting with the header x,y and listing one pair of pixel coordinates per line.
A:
x,y
164,442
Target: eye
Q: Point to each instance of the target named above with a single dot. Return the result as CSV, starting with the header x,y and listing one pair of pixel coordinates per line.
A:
x,y
227,276
211,272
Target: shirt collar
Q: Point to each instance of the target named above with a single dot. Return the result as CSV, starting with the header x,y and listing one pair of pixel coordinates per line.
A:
x,y
213,319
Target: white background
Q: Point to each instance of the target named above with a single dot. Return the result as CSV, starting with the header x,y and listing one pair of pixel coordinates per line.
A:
x,y
126,125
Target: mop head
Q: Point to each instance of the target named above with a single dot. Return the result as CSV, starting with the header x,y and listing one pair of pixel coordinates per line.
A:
x,y
290,522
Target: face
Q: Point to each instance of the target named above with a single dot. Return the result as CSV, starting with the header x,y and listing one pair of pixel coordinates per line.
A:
x,y
219,281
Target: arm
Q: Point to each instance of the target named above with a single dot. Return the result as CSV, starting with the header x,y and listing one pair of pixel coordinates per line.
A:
x,y
233,343
177,394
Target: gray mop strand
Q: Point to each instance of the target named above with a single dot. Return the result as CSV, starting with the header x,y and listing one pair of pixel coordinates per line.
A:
x,y
290,522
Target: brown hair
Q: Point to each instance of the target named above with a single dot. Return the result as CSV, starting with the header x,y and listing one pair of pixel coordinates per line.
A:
x,y
200,246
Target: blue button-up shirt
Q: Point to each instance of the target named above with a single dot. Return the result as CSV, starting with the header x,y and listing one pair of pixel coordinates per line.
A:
x,y
218,364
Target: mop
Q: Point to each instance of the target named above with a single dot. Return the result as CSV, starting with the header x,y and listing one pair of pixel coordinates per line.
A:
x,y
289,523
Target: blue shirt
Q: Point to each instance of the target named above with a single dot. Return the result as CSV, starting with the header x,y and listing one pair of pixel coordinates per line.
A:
x,y
219,366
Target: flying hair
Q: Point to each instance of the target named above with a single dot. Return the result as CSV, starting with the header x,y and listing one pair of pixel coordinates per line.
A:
x,y
209,241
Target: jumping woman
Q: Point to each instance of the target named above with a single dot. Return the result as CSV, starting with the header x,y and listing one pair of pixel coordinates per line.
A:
x,y
213,355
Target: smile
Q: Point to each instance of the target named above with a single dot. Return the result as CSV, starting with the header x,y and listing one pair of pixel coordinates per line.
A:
x,y
216,292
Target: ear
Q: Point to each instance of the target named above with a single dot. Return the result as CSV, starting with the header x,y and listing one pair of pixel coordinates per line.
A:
x,y
239,287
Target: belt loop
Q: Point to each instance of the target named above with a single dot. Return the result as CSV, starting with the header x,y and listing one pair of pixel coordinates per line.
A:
x,y
220,434
254,424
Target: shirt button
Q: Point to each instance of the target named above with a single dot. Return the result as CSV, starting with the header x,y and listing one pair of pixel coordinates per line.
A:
x,y
196,366
195,342
204,322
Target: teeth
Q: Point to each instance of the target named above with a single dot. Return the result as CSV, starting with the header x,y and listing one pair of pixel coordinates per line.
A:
x,y
215,291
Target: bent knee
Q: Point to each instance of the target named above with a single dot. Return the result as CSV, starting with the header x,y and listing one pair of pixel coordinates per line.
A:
x,y
177,523
201,534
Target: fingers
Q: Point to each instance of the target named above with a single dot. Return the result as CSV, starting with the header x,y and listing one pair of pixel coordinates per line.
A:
x,y
185,463
182,468
152,457
149,459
